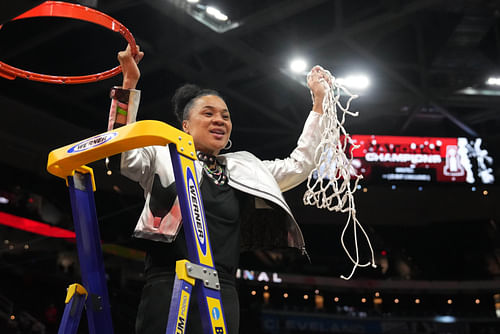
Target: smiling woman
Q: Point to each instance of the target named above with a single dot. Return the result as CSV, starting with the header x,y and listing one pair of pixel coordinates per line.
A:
x,y
242,195
205,117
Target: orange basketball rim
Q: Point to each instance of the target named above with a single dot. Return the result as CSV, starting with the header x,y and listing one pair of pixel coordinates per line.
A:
x,y
73,11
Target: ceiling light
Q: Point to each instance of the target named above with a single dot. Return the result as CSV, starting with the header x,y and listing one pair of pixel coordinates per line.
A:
x,y
298,65
354,81
209,16
4,200
483,92
216,13
493,81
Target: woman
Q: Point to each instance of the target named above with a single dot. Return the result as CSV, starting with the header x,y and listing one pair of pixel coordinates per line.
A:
x,y
241,194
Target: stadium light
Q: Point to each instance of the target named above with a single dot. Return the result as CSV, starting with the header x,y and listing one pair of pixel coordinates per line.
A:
x,y
493,81
355,81
298,65
216,13
210,16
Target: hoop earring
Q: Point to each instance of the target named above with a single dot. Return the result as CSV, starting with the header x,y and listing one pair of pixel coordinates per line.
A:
x,y
229,144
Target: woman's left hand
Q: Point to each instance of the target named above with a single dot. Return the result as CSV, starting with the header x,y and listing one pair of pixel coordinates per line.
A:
x,y
318,82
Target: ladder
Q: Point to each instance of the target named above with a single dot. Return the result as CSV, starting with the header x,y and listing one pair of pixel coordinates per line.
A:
x,y
198,271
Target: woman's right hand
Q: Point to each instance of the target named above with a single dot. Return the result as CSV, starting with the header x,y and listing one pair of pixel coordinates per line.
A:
x,y
130,70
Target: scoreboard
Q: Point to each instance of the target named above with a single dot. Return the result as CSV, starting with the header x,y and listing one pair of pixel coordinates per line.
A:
x,y
422,159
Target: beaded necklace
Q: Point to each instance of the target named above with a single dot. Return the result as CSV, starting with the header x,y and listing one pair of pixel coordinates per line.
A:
x,y
217,173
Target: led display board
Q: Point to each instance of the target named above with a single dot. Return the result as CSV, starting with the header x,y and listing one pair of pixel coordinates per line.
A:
x,y
422,159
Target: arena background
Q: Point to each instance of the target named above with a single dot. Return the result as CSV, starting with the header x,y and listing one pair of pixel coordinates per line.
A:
x,y
428,63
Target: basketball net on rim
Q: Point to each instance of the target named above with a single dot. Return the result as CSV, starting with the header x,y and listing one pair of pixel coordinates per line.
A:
x,y
329,185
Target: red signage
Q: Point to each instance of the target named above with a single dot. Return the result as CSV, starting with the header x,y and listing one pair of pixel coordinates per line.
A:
x,y
35,227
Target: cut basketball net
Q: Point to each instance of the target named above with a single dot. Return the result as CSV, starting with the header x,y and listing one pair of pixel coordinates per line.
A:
x,y
329,184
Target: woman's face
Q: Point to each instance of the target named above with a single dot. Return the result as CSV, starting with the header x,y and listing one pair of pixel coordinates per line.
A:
x,y
209,123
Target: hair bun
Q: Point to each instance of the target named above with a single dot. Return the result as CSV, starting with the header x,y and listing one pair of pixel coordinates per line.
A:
x,y
181,98
185,96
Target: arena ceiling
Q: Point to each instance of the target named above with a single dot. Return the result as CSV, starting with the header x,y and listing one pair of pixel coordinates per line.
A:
x,y
427,60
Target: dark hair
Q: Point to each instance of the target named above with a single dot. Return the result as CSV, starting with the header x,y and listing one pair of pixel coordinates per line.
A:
x,y
185,96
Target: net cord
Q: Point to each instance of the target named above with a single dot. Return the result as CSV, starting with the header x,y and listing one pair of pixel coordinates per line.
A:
x,y
332,164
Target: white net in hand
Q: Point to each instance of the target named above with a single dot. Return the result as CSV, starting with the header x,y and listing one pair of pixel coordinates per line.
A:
x,y
329,184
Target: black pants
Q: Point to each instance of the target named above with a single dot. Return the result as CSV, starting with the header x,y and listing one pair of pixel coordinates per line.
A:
x,y
152,315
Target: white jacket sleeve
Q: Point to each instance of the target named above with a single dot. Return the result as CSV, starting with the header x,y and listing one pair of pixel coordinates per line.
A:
x,y
292,171
138,165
